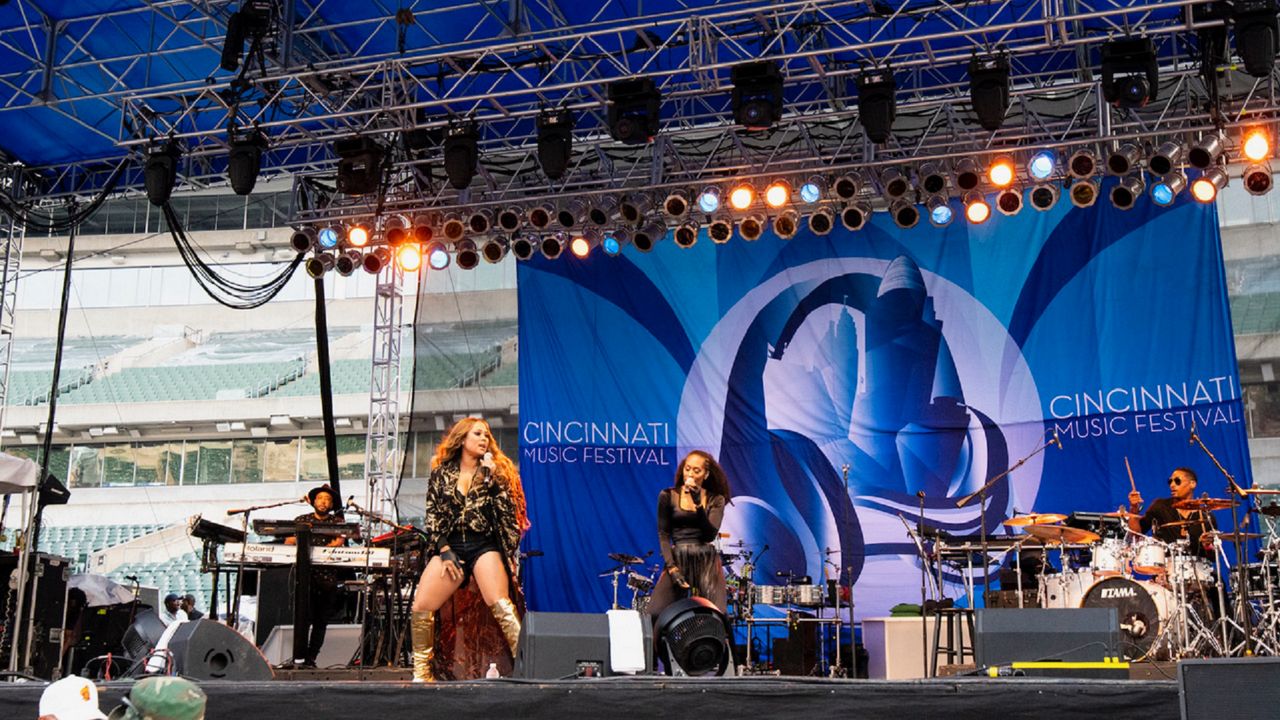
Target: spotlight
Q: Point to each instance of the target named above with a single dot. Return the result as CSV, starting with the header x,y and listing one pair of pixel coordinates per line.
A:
x,y
895,183
813,189
1165,190
1042,164
1206,152
855,216
422,228
848,186
787,224
905,214
976,209
877,106
1123,160
1009,201
580,246
245,161
523,247
602,209
453,227
720,230
437,255
376,260
303,238
741,197
1043,197
409,257
822,221
1257,178
461,153
551,246
692,636
1001,173
540,216
1084,193
466,255
1126,192
613,241
709,199
1256,35
933,178
329,237
676,206
480,221
359,165
347,262
1166,158
509,219
1206,187
940,213
357,235
252,20
555,142
686,235
968,174
1083,164
777,194
752,227
634,208
1257,145
494,250
649,234
161,172
634,108
757,94
989,89
397,228
1130,76
572,212
319,264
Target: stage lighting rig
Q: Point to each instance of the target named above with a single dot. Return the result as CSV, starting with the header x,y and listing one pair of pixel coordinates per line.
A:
x,y
551,246
757,94
572,212
905,214
1041,165
634,110
877,104
347,262
752,227
494,250
461,152
1001,173
453,227
244,162
1124,159
409,257
466,255
822,221
1084,193
359,165
357,235
613,241
1082,164
720,230
1043,197
1256,145
1208,152
634,207
709,199
896,184
1166,158
1009,201
933,178
777,194
1126,192
847,187
967,174
989,89
1257,34
374,261
602,209
676,205
160,172
1165,190
1130,75
329,236
742,196
397,229
555,142
319,264
523,247
1258,179
855,216
540,216
303,239
686,235
423,224
813,189
480,221
940,213
976,208
437,255
510,218
649,235
787,224
251,22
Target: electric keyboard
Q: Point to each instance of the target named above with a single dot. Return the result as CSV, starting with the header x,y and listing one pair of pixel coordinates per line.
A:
x,y
349,557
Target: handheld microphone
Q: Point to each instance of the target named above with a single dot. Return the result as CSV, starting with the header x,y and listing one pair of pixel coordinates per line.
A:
x,y
486,463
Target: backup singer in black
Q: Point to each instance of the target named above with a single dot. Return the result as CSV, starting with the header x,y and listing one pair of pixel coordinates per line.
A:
x,y
689,516
323,597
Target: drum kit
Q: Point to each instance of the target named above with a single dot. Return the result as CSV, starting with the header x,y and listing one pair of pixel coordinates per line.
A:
x,y
640,582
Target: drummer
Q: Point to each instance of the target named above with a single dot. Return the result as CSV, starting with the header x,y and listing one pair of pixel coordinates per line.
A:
x,y
1170,524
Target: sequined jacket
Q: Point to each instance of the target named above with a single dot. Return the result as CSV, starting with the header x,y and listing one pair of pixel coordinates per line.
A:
x,y
448,511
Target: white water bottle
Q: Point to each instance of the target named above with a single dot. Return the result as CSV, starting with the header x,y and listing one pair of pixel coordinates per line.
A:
x,y
492,672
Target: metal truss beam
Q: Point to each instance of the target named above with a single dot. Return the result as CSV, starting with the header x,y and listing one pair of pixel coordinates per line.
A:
x,y
382,451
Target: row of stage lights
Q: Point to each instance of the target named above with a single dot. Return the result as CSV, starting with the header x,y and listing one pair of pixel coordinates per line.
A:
x,y
581,224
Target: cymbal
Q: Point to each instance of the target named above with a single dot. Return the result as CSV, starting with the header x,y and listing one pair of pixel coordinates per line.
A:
x,y
1233,537
1061,534
1184,523
1206,504
1034,519
625,559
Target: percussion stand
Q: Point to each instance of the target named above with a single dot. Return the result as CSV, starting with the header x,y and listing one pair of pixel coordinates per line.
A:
x,y
1267,619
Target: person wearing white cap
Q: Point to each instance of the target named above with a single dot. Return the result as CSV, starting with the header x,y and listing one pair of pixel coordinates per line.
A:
x,y
71,698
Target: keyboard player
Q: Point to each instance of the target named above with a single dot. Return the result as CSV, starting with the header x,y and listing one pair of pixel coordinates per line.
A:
x,y
324,580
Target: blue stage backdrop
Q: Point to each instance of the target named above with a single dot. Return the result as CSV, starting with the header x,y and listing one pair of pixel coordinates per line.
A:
x,y
925,360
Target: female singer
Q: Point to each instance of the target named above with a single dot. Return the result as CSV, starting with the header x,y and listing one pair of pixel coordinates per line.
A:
x,y
475,516
689,515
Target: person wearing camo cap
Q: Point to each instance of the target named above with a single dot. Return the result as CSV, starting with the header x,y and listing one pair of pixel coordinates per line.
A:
x,y
161,698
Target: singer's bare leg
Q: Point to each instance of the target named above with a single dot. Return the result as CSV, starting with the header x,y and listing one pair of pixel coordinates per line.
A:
x,y
491,576
434,588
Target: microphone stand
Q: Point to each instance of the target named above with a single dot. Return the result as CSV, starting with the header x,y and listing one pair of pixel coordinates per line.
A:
x,y
1242,578
981,493
924,574
244,526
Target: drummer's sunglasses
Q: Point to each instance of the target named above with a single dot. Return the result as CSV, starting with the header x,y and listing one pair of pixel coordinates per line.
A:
x,y
1175,480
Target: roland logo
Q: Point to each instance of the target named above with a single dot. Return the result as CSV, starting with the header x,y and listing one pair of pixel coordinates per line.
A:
x,y
1119,592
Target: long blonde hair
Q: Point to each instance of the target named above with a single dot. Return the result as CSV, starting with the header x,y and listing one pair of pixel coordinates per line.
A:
x,y
450,450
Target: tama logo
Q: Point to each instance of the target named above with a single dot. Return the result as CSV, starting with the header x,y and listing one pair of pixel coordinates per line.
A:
x,y
1124,592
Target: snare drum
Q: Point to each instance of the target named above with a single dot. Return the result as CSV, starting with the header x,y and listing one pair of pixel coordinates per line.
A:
x,y
772,595
1110,557
1149,556
810,595
1189,568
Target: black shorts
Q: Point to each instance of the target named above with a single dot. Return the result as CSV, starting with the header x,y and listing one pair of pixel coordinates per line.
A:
x,y
469,547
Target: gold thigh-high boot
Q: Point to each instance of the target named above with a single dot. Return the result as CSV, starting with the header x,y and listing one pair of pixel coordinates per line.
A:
x,y
504,611
422,630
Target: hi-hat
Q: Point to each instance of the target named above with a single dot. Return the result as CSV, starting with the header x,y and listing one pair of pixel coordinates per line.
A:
x,y
1204,504
1232,537
1035,519
1062,534
625,559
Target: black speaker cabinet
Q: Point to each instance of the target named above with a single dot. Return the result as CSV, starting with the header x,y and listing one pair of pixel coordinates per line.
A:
x,y
1236,688
554,645
1035,634
209,650
38,633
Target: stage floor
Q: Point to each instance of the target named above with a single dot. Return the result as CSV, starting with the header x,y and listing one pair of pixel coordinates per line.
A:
x,y
642,697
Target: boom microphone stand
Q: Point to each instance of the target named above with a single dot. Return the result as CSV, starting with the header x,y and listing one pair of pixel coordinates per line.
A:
x,y
235,601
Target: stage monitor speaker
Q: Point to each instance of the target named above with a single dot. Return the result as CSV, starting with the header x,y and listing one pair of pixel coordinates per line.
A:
x,y
1039,634
209,650
555,645
1236,688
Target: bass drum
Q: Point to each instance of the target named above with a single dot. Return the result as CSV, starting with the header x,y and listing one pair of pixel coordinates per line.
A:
x,y
1143,608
